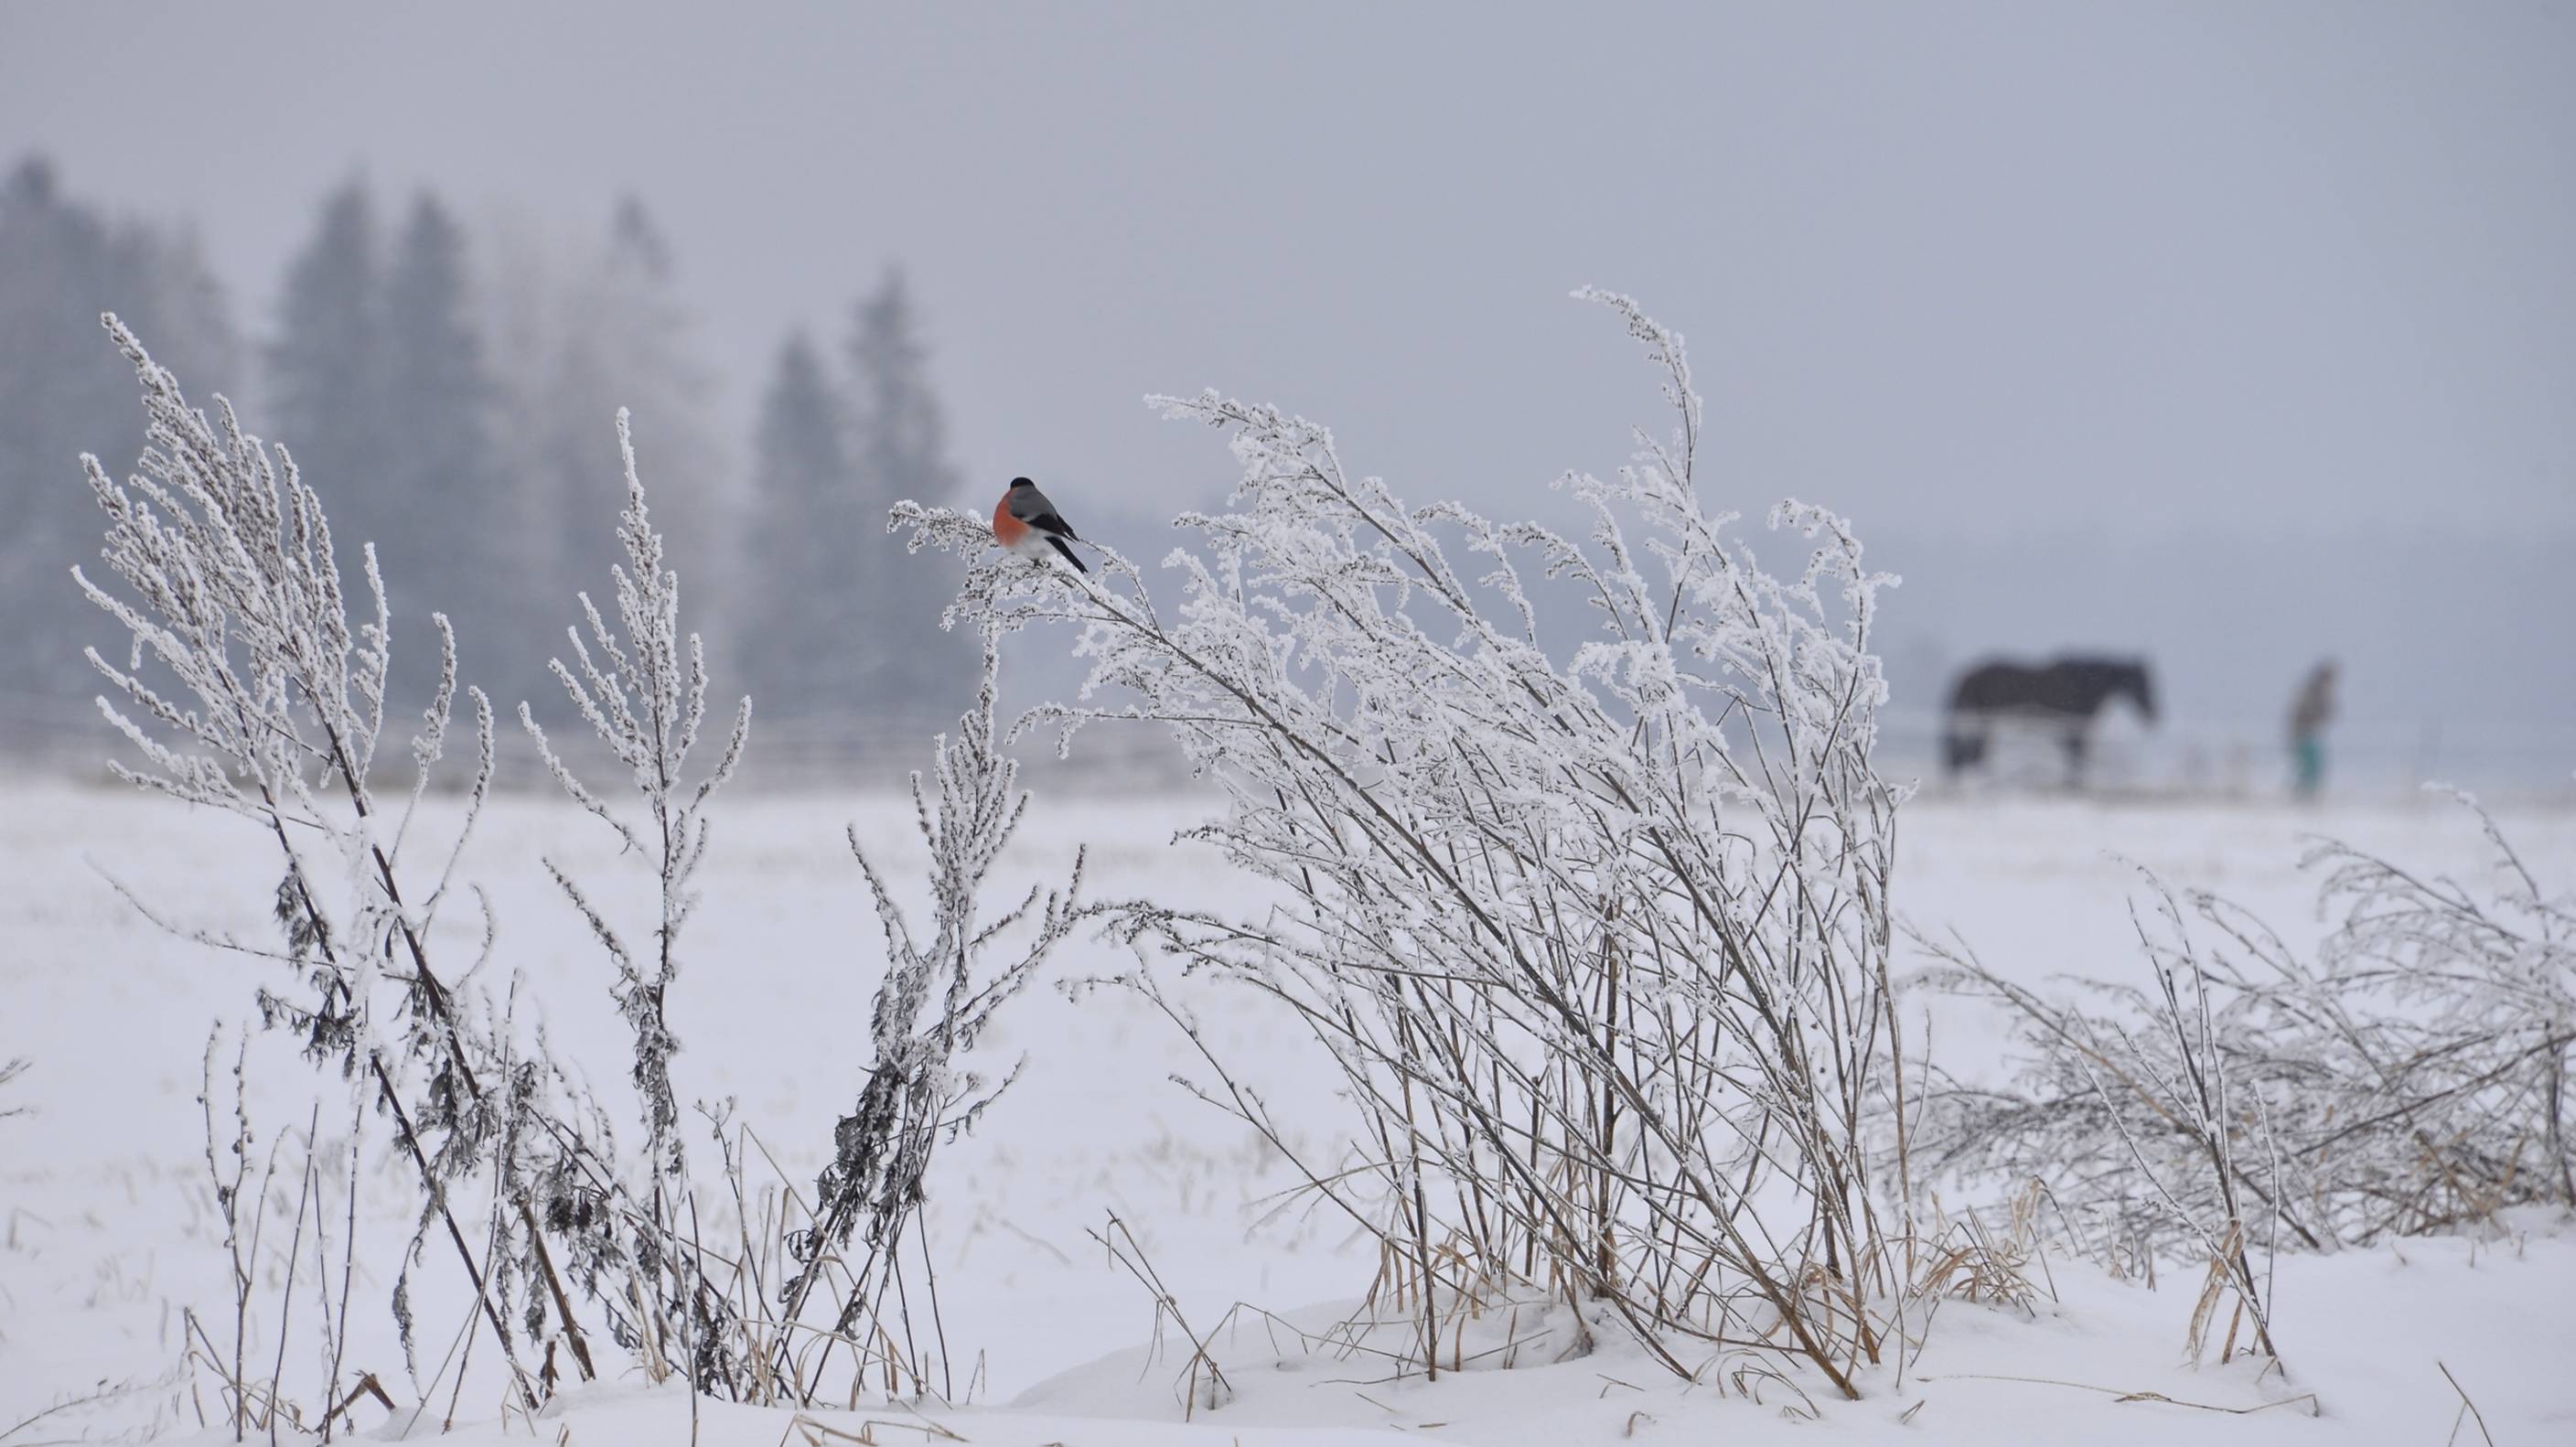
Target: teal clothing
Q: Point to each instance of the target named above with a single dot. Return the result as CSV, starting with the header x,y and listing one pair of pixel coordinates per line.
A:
x,y
2310,712
2309,753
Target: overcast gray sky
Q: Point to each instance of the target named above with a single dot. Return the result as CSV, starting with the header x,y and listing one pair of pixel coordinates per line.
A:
x,y
2149,265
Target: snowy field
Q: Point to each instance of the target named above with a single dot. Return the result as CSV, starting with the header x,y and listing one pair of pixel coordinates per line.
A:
x,y
105,1217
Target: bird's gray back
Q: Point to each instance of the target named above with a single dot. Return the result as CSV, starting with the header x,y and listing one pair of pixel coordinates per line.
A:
x,y
1031,506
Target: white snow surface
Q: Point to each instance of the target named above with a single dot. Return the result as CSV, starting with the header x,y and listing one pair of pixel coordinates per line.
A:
x,y
105,1211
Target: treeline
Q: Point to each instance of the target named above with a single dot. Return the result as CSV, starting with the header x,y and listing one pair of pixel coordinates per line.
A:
x,y
62,393
450,390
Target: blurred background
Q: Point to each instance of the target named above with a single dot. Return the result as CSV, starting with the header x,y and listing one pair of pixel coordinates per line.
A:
x,y
2219,339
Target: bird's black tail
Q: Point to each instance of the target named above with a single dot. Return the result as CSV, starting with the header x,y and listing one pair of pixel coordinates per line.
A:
x,y
1068,555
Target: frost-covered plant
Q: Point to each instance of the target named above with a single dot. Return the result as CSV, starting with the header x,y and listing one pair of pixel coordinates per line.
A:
x,y
957,973
248,689
644,695
1597,938
2410,1075
2204,1175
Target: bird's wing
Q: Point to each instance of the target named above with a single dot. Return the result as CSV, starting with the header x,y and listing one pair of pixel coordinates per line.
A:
x,y
1031,506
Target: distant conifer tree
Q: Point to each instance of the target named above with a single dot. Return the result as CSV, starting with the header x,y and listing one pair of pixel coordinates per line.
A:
x,y
577,329
325,386
802,600
435,498
899,443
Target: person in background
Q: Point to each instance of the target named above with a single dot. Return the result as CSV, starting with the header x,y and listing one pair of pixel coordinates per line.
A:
x,y
2310,712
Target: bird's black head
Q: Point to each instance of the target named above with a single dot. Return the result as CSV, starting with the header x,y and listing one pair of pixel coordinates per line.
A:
x,y
1022,482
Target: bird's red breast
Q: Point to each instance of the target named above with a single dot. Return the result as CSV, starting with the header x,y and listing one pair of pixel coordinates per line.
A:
x,y
1007,530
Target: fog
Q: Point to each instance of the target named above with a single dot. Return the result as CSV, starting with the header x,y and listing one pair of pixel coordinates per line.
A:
x,y
2235,336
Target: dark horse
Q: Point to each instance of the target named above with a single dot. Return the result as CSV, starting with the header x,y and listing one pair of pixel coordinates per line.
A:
x,y
2061,697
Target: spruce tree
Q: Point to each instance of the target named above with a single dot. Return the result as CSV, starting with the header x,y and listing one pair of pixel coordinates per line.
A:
x,y
899,451
435,499
324,364
646,344
579,330
802,606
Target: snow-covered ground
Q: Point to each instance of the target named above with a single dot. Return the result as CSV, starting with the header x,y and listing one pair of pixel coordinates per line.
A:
x,y
105,1210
